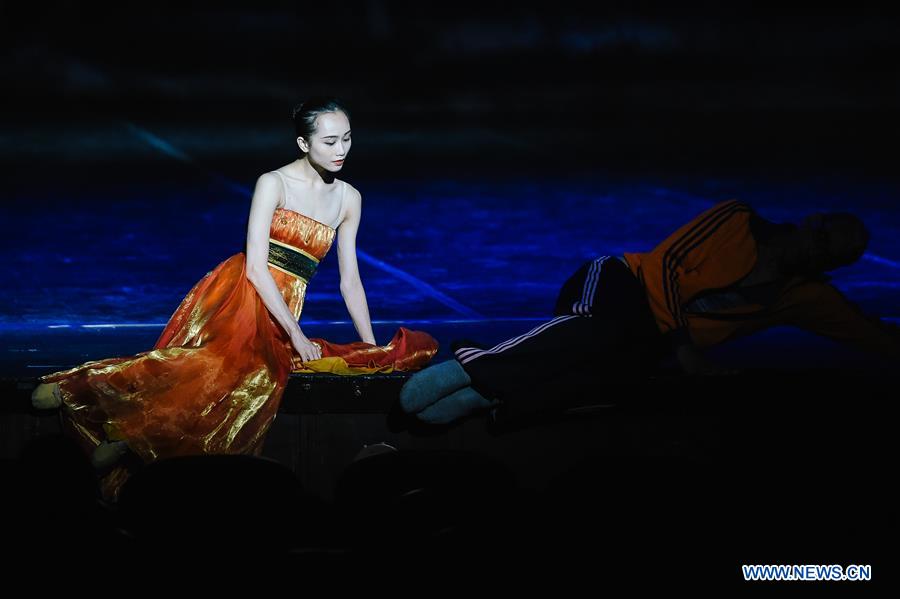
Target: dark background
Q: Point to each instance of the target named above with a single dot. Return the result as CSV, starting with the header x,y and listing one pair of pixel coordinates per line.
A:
x,y
496,149
470,85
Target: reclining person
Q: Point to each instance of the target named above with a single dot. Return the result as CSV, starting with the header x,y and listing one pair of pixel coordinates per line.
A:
x,y
725,274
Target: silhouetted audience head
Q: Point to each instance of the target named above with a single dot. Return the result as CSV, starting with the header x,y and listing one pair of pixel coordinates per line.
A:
x,y
190,503
405,499
55,510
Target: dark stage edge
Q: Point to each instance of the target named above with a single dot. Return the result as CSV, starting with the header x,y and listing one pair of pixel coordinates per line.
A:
x,y
678,482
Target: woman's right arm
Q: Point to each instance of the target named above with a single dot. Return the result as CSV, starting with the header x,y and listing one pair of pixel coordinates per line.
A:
x,y
262,208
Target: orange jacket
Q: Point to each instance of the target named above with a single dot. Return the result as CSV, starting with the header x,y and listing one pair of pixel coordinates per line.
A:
x,y
716,250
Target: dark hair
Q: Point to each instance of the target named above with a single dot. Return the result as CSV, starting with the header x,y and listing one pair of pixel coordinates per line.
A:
x,y
846,237
853,234
306,113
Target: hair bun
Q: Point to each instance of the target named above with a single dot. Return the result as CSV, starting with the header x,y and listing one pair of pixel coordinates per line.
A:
x,y
306,112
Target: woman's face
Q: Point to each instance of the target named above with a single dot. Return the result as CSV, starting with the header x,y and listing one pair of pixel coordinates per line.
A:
x,y
330,144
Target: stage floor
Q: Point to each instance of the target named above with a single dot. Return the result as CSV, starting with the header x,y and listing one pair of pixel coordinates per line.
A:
x,y
99,253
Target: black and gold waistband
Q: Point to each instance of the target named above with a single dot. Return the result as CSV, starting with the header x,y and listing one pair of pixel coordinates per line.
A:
x,y
291,260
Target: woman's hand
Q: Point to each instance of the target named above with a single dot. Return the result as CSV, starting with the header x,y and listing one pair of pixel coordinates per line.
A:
x,y
693,362
306,349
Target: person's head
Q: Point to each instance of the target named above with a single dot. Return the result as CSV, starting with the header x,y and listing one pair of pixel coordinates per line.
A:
x,y
823,242
323,131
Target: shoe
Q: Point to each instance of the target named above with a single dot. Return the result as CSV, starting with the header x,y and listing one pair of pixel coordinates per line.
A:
x,y
108,454
46,396
431,384
456,406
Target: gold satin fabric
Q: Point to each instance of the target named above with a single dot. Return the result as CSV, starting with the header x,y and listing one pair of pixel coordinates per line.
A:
x,y
214,380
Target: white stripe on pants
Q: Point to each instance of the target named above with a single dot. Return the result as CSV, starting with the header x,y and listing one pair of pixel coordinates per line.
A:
x,y
467,354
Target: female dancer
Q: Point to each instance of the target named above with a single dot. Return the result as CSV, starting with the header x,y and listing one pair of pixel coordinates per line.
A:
x,y
214,379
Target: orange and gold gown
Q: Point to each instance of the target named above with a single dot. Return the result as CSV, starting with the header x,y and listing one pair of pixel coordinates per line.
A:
x,y
214,380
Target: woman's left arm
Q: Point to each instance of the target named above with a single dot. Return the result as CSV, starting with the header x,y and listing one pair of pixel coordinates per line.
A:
x,y
351,285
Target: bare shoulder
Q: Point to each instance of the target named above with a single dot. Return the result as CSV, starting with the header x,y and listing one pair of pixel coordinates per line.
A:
x,y
350,204
351,194
267,180
269,187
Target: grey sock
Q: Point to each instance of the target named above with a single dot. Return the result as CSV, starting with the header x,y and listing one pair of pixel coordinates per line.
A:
x,y
427,386
454,406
